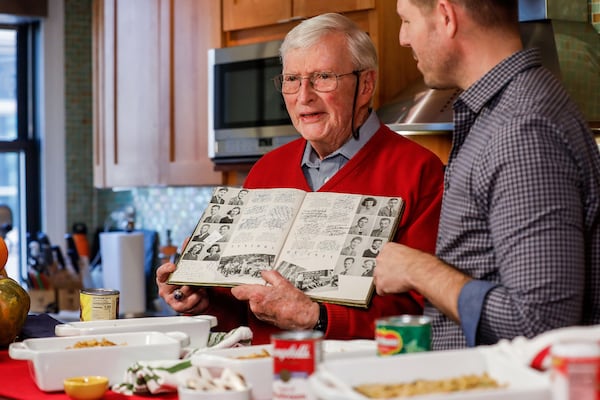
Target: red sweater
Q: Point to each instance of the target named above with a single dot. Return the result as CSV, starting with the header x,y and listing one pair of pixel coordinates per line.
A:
x,y
388,165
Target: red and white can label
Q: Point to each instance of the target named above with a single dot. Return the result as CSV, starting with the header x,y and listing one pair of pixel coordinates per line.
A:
x,y
576,374
295,357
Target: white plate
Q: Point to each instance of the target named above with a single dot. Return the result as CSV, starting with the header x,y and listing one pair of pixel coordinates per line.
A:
x,y
196,327
259,371
51,360
335,379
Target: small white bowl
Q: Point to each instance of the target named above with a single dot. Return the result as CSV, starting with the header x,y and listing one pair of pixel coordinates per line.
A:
x,y
185,393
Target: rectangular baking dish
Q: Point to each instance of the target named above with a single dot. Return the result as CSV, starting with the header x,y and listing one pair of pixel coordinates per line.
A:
x,y
51,360
335,379
196,327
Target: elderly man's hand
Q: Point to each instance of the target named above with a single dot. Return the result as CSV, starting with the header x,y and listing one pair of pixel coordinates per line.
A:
x,y
182,299
279,302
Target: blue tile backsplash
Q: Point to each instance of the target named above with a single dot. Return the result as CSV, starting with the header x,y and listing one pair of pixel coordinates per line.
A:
x,y
177,209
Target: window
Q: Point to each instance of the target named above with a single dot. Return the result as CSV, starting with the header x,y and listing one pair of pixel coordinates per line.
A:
x,y
19,147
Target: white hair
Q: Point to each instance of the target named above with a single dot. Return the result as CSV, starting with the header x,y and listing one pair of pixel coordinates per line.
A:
x,y
309,32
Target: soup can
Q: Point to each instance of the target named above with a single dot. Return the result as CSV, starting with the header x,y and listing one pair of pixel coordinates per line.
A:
x,y
575,370
98,304
403,334
296,355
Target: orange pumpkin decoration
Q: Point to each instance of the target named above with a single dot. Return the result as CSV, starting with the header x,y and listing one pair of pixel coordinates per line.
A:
x,y
14,303
3,256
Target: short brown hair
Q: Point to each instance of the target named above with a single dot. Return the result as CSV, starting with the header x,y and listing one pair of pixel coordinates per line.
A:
x,y
491,13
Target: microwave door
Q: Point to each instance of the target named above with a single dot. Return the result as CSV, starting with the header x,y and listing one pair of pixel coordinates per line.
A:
x,y
247,116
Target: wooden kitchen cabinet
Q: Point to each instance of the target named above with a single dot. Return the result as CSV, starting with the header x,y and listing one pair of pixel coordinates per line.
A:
x,y
149,83
195,28
310,8
242,14
440,143
397,68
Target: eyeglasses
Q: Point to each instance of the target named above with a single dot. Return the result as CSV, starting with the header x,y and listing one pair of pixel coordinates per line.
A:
x,y
320,81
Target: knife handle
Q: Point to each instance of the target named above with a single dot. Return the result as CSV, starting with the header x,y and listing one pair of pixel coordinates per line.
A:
x,y
58,255
80,238
72,252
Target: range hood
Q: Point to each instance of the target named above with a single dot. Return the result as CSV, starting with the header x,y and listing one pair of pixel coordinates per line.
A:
x,y
419,109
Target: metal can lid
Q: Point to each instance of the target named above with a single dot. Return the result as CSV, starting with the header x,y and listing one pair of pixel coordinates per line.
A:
x,y
576,349
297,335
99,292
405,320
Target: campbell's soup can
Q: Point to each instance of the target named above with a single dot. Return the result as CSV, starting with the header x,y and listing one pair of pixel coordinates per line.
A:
x,y
403,334
98,304
296,355
575,373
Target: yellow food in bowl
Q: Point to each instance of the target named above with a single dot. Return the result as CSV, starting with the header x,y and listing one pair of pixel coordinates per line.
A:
x,y
86,387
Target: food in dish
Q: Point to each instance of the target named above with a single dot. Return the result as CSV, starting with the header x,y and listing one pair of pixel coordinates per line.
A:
x,y
209,381
83,344
262,354
422,386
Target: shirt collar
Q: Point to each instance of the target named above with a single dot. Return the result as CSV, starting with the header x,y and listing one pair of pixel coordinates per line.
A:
x,y
483,90
348,149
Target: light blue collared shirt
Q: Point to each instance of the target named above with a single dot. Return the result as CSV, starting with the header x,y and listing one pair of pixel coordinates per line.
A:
x,y
318,171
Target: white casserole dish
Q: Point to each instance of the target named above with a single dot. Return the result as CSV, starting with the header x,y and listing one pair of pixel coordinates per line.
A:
x,y
196,327
51,360
335,379
258,372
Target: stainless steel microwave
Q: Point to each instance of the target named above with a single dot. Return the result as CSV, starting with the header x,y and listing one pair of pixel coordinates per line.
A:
x,y
246,114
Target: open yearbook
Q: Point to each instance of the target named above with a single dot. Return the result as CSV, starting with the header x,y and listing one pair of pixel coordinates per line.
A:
x,y
324,243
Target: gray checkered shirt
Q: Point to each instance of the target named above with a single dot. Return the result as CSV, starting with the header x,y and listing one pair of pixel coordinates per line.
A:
x,y
521,209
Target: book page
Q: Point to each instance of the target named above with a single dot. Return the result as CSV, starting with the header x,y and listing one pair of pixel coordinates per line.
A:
x,y
239,234
330,251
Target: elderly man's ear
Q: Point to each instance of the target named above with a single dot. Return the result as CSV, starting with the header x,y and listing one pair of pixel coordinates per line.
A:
x,y
368,82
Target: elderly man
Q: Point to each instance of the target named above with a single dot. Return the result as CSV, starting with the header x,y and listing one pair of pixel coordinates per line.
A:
x,y
328,82
518,251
